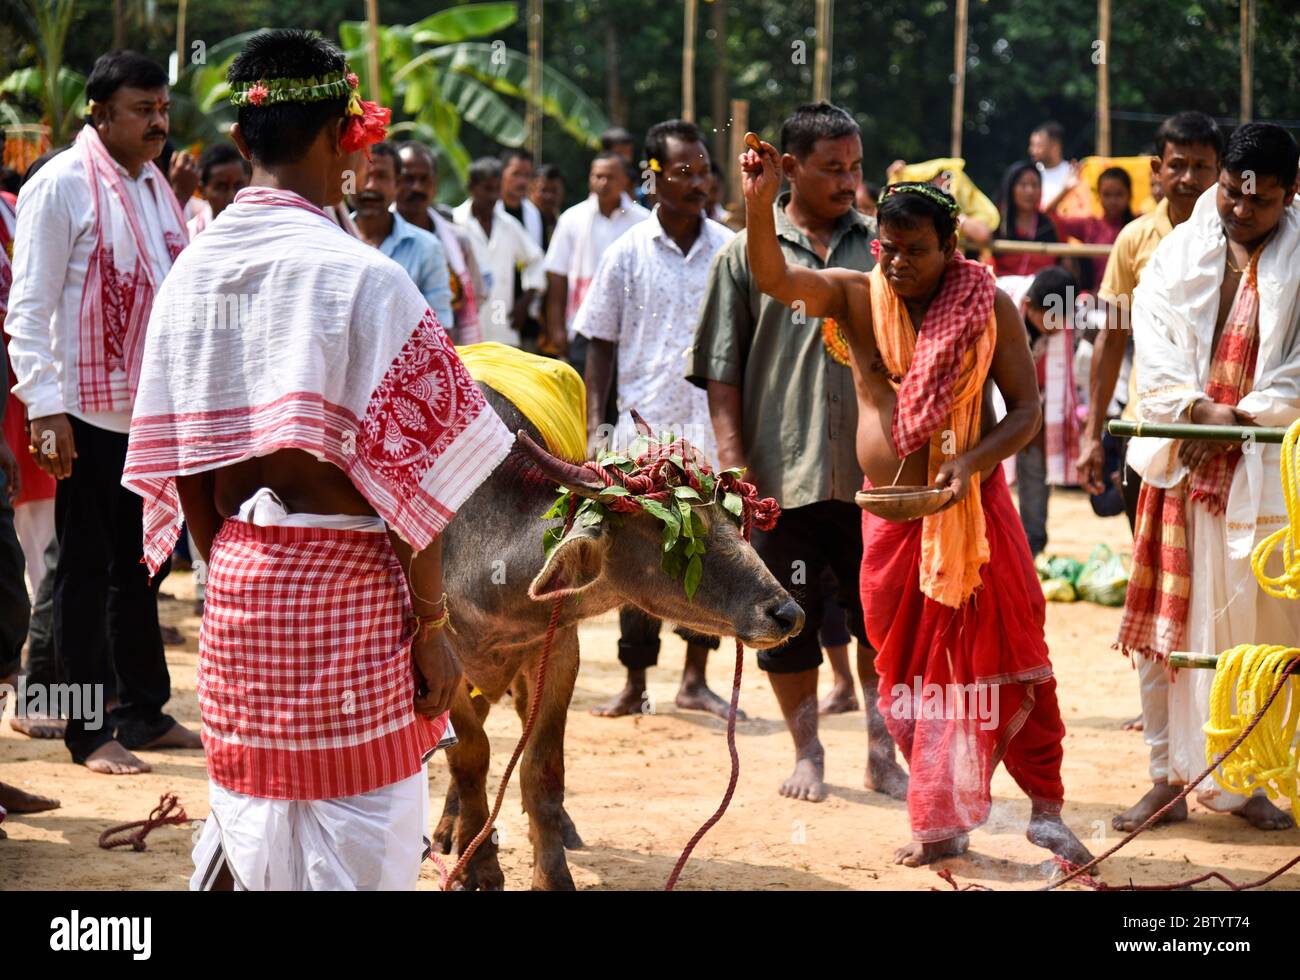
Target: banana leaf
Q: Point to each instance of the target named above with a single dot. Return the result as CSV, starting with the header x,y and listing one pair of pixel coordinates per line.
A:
x,y
461,23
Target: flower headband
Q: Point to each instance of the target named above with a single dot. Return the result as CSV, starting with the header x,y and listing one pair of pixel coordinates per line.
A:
x,y
928,191
367,121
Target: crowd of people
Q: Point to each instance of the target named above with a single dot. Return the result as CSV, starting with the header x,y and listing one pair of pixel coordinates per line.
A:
x,y
836,334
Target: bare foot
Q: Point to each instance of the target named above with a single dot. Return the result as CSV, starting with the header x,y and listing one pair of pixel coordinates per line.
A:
x,y
805,783
1261,813
1156,797
176,737
698,697
884,775
113,760
917,853
841,700
1133,725
38,726
1049,830
629,701
16,800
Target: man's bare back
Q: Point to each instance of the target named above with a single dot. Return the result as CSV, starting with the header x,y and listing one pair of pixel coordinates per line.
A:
x,y
304,484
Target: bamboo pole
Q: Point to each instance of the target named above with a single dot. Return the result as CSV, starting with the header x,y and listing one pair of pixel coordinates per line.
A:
x,y
739,126
718,24
180,38
1247,42
533,118
372,68
822,56
688,63
1189,430
1201,661
958,77
1103,79
1011,246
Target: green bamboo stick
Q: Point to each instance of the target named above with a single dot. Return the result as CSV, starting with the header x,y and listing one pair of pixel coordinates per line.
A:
x,y
1188,430
1203,661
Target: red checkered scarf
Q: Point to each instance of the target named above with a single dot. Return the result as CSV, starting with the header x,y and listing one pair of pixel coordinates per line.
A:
x,y
957,317
7,222
1155,608
120,281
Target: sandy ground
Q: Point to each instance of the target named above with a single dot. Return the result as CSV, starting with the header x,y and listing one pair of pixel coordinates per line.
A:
x,y
639,787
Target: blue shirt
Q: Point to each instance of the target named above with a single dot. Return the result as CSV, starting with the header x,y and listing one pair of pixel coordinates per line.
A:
x,y
420,253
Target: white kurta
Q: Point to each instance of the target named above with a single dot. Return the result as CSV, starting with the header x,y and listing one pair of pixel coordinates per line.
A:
x,y
1175,309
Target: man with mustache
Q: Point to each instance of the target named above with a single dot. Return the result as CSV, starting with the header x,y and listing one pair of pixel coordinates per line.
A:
x,y
417,186
781,396
98,229
417,251
1215,343
643,304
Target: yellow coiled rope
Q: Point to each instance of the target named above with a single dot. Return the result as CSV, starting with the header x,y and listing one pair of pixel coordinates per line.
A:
x,y
1287,584
1246,675
1243,679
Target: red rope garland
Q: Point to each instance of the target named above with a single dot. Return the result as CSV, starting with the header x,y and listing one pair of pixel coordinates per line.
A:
x,y
162,814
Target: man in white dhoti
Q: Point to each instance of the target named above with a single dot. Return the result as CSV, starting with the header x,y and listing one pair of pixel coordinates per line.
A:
x,y
299,402
1215,325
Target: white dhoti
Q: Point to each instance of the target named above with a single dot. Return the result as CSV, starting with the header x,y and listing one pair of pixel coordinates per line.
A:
x,y
372,842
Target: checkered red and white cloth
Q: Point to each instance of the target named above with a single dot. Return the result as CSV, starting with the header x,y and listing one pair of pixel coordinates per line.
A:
x,y
278,330
305,679
957,317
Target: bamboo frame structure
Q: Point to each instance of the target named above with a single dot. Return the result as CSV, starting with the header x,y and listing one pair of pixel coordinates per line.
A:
x,y
959,77
822,56
688,62
1011,246
1103,79
1189,430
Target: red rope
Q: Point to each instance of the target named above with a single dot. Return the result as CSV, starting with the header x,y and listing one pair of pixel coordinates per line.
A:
x,y
162,814
1186,791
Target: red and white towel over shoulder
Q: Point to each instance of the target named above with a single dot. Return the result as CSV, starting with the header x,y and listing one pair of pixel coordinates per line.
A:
x,y
274,330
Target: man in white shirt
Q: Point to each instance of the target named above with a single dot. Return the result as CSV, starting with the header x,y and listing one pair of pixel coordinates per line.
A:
x,y
98,229
501,246
582,235
417,189
1047,149
644,304
516,182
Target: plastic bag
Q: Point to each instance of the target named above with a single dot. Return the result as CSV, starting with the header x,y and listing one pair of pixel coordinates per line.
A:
x,y
1058,590
1066,568
1104,579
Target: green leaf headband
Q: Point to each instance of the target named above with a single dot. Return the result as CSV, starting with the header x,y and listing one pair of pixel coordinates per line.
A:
x,y
268,91
928,191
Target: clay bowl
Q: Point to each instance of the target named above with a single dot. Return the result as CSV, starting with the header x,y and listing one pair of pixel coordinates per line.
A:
x,y
903,503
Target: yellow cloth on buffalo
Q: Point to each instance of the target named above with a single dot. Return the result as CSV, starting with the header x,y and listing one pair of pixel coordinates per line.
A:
x,y
547,391
1083,200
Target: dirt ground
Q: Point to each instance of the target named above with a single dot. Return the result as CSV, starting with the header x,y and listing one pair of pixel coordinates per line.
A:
x,y
639,787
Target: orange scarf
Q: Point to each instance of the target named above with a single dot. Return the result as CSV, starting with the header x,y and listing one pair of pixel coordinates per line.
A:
x,y
954,546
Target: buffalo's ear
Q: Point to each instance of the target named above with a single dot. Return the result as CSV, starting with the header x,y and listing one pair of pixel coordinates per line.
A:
x,y
574,564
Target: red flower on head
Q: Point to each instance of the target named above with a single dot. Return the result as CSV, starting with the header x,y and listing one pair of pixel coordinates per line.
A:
x,y
353,80
258,93
875,249
365,130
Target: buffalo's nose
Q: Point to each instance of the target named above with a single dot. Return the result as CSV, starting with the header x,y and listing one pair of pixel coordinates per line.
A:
x,y
787,614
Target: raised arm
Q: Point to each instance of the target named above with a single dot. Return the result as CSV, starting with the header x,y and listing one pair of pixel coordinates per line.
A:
x,y
821,292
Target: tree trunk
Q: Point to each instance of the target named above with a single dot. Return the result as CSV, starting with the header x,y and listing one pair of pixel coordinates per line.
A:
x,y
720,84
615,106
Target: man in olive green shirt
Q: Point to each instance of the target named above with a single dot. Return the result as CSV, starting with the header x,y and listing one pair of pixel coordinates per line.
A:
x,y
782,403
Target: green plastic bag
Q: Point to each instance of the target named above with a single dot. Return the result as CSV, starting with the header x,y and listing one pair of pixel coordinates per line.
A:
x,y
1104,579
1066,568
1058,590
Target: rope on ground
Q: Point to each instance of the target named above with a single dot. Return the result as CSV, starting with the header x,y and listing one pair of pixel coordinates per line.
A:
x,y
731,784
1187,790
168,811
